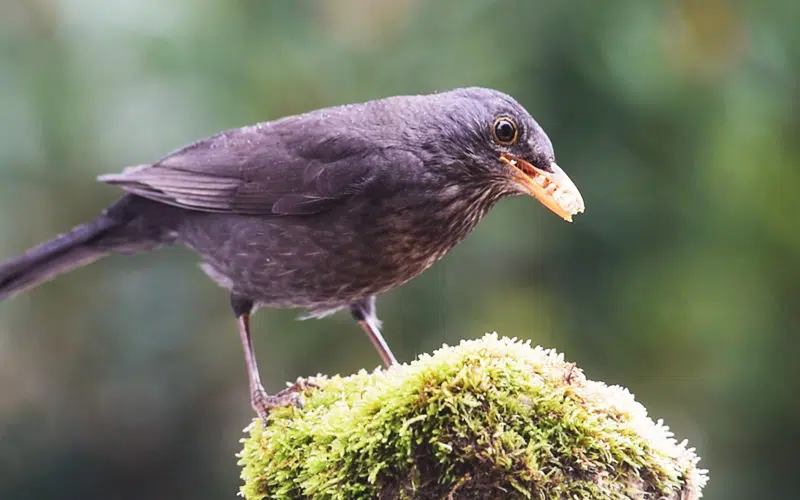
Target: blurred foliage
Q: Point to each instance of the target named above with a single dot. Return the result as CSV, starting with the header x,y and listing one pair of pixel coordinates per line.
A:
x,y
678,120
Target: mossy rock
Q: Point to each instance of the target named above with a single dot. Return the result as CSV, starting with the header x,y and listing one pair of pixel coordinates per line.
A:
x,y
490,418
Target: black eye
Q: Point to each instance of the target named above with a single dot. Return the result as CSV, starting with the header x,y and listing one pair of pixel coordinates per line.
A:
x,y
505,131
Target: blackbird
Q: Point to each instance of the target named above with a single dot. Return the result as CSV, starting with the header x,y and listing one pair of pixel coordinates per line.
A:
x,y
323,210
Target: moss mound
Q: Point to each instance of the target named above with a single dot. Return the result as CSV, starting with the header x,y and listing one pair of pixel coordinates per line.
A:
x,y
490,418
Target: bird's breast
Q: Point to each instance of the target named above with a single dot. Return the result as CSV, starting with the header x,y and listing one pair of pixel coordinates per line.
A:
x,y
330,260
416,236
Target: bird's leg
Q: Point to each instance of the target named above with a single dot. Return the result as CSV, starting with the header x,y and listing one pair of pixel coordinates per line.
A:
x,y
363,311
259,399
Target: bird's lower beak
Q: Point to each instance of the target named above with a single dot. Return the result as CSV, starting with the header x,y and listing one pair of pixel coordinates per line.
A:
x,y
552,187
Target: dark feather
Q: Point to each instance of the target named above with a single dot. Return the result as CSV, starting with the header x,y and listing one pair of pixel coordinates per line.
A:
x,y
264,169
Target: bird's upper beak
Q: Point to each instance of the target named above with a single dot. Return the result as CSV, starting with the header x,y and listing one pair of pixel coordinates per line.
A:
x,y
552,187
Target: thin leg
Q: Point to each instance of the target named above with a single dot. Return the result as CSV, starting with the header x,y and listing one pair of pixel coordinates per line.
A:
x,y
259,399
363,311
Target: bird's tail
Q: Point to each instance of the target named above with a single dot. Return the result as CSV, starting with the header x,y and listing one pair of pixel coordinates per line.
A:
x,y
114,230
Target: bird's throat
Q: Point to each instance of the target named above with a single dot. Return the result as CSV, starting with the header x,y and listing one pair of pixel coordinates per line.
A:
x,y
457,211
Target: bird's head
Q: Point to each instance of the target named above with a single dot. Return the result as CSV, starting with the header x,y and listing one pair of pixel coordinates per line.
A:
x,y
492,136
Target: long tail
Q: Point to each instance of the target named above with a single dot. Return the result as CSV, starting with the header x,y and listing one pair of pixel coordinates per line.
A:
x,y
114,230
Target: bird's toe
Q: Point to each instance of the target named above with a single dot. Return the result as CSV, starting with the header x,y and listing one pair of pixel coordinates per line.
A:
x,y
263,403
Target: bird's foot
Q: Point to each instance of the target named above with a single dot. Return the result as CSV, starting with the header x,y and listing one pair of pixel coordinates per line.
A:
x,y
263,403
300,385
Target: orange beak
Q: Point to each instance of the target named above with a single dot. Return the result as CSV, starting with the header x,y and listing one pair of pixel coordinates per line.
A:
x,y
552,188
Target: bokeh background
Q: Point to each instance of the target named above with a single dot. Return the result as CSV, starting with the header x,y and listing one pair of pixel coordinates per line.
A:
x,y
679,121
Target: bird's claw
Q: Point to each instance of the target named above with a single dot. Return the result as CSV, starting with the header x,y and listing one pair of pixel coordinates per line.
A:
x,y
300,385
263,403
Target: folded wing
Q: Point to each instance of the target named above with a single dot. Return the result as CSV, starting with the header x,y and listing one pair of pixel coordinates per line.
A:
x,y
269,169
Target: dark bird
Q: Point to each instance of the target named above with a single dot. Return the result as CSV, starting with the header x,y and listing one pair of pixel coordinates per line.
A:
x,y
323,210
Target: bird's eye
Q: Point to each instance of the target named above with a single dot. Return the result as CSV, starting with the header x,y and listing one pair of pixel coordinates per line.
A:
x,y
505,131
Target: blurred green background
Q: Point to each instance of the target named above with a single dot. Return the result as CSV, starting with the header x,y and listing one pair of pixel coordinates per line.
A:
x,y
679,121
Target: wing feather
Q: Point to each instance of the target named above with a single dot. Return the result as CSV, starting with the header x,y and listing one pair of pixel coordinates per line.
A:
x,y
261,170
296,166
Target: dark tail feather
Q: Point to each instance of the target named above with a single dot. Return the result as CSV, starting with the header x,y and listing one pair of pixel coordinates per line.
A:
x,y
68,251
132,224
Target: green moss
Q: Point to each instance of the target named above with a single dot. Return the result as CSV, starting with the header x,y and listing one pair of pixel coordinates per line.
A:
x,y
490,418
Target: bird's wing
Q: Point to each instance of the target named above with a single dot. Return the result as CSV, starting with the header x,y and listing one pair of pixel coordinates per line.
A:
x,y
261,170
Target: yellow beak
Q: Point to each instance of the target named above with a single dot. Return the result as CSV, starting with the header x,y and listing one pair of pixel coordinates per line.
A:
x,y
552,188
